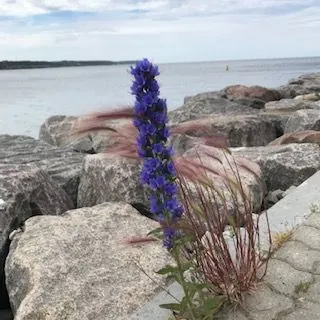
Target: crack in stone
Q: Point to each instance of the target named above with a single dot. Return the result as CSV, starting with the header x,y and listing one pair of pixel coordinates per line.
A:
x,y
282,314
311,300
311,226
305,244
296,268
273,289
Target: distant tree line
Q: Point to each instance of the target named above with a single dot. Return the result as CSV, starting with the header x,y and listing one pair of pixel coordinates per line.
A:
x,y
27,64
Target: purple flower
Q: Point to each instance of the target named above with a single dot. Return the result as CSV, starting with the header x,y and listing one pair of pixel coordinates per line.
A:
x,y
158,173
170,188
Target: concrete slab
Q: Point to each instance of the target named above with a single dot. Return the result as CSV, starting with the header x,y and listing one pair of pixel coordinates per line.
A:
x,y
309,236
298,256
152,311
292,210
264,304
307,311
283,278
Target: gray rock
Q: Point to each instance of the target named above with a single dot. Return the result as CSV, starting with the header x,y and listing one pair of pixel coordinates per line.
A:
x,y
233,168
289,190
58,131
105,178
25,191
274,196
251,93
284,165
303,120
209,103
77,266
183,142
62,165
308,136
116,179
307,83
239,130
290,105
315,96
279,119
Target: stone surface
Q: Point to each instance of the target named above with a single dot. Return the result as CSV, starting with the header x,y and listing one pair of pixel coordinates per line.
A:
x,y
232,315
279,119
62,165
292,210
309,236
209,103
284,166
304,84
58,131
254,92
306,310
290,105
183,142
106,178
25,191
233,169
151,311
284,278
265,304
299,256
303,120
239,130
315,96
78,267
273,197
289,190
308,136
312,292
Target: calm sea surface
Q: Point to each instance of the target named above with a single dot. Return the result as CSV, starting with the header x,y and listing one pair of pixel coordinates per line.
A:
x,y
28,97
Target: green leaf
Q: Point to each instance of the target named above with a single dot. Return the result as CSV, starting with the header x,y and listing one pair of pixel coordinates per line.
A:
x,y
212,305
186,266
171,306
168,269
198,286
182,240
184,304
157,233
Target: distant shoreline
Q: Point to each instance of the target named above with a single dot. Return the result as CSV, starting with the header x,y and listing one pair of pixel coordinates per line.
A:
x,y
27,64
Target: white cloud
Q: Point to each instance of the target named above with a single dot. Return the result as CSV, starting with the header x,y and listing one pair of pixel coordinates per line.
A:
x,y
167,30
30,7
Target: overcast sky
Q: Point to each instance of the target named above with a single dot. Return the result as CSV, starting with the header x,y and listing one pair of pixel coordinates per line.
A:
x,y
163,30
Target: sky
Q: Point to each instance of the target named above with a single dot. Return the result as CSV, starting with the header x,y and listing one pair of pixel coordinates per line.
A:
x,y
162,30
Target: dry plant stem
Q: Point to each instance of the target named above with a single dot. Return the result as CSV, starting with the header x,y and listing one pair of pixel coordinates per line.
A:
x,y
229,276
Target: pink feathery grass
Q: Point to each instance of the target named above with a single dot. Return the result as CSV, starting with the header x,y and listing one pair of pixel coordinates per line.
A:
x,y
232,266
213,196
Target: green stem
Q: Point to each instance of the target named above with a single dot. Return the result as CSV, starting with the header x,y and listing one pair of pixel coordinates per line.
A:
x,y
182,282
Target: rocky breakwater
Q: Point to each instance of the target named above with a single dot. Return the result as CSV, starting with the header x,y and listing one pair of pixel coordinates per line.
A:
x,y
67,210
275,128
